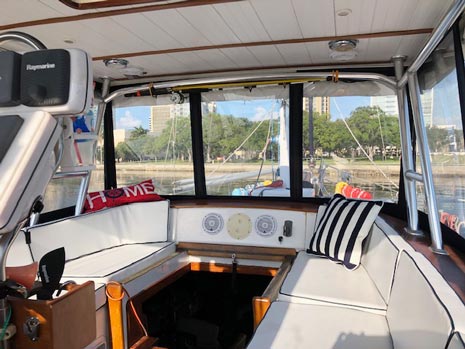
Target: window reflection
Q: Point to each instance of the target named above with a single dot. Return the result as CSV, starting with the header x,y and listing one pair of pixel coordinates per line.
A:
x,y
442,116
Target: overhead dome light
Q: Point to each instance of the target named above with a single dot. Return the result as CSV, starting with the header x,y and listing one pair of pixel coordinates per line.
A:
x,y
118,63
343,50
344,12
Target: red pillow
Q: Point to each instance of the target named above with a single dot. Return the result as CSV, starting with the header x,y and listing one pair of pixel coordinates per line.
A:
x,y
142,192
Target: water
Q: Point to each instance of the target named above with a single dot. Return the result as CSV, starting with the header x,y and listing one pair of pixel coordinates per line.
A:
x,y
450,188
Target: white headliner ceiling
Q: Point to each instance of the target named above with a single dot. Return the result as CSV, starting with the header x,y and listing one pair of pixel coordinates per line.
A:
x,y
239,22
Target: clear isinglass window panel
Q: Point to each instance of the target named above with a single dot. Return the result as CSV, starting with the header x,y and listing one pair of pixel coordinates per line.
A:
x,y
443,122
155,142
246,145
351,143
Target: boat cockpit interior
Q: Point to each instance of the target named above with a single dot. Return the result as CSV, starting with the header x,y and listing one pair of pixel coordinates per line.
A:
x,y
232,174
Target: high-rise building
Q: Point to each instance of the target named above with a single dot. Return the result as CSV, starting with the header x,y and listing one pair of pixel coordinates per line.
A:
x,y
161,114
180,110
388,104
321,105
121,135
208,108
159,117
427,106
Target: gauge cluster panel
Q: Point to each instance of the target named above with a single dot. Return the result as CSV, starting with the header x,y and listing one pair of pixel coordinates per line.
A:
x,y
253,227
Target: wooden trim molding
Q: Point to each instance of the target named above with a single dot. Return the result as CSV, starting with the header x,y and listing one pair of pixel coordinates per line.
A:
x,y
115,3
246,203
112,13
228,250
260,306
266,43
241,269
115,295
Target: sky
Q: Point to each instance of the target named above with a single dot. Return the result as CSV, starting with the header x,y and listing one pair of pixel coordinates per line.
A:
x,y
446,108
255,110
132,117
341,107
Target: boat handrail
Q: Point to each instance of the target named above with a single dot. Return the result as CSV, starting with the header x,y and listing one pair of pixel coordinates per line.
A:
x,y
447,21
24,38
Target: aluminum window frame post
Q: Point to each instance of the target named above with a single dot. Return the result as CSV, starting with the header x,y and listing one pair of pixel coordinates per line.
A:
x,y
422,140
407,150
85,180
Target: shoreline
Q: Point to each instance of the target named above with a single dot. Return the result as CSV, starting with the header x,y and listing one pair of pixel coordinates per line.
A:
x,y
185,170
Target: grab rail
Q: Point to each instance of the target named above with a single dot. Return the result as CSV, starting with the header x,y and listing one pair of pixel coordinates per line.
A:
x,y
24,38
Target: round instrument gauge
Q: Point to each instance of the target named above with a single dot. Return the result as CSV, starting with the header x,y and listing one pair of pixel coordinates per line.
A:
x,y
239,226
212,223
265,225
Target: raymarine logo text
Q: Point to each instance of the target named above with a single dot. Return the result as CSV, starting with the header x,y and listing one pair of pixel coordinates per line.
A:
x,y
40,66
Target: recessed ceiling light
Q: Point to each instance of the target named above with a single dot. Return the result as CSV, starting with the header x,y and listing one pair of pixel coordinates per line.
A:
x,y
343,50
116,63
343,12
343,55
343,45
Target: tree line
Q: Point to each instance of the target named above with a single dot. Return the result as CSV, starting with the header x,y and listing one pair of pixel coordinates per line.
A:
x,y
367,127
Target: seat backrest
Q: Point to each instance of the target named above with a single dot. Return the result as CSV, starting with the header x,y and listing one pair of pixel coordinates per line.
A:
x,y
416,315
379,259
312,221
88,233
19,254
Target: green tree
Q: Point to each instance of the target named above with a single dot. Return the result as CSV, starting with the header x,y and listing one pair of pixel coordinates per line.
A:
x,y
438,139
138,132
374,129
212,128
329,136
173,143
124,152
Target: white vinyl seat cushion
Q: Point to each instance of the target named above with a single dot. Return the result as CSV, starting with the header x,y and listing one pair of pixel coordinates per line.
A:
x,y
456,342
416,314
118,263
139,222
317,279
302,326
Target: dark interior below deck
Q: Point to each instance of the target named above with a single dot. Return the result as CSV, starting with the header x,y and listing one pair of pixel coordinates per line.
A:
x,y
205,310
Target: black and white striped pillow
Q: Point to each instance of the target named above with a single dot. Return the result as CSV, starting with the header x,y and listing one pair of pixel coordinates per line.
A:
x,y
342,229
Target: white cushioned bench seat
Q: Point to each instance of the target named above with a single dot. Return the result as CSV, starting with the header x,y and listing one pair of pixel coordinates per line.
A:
x,y
314,279
128,224
114,244
421,313
119,263
302,326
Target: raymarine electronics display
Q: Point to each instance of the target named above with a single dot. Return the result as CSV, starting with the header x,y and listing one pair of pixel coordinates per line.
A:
x,y
45,78
56,81
10,65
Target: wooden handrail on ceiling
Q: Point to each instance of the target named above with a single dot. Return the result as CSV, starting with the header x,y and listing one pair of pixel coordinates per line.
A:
x,y
267,43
